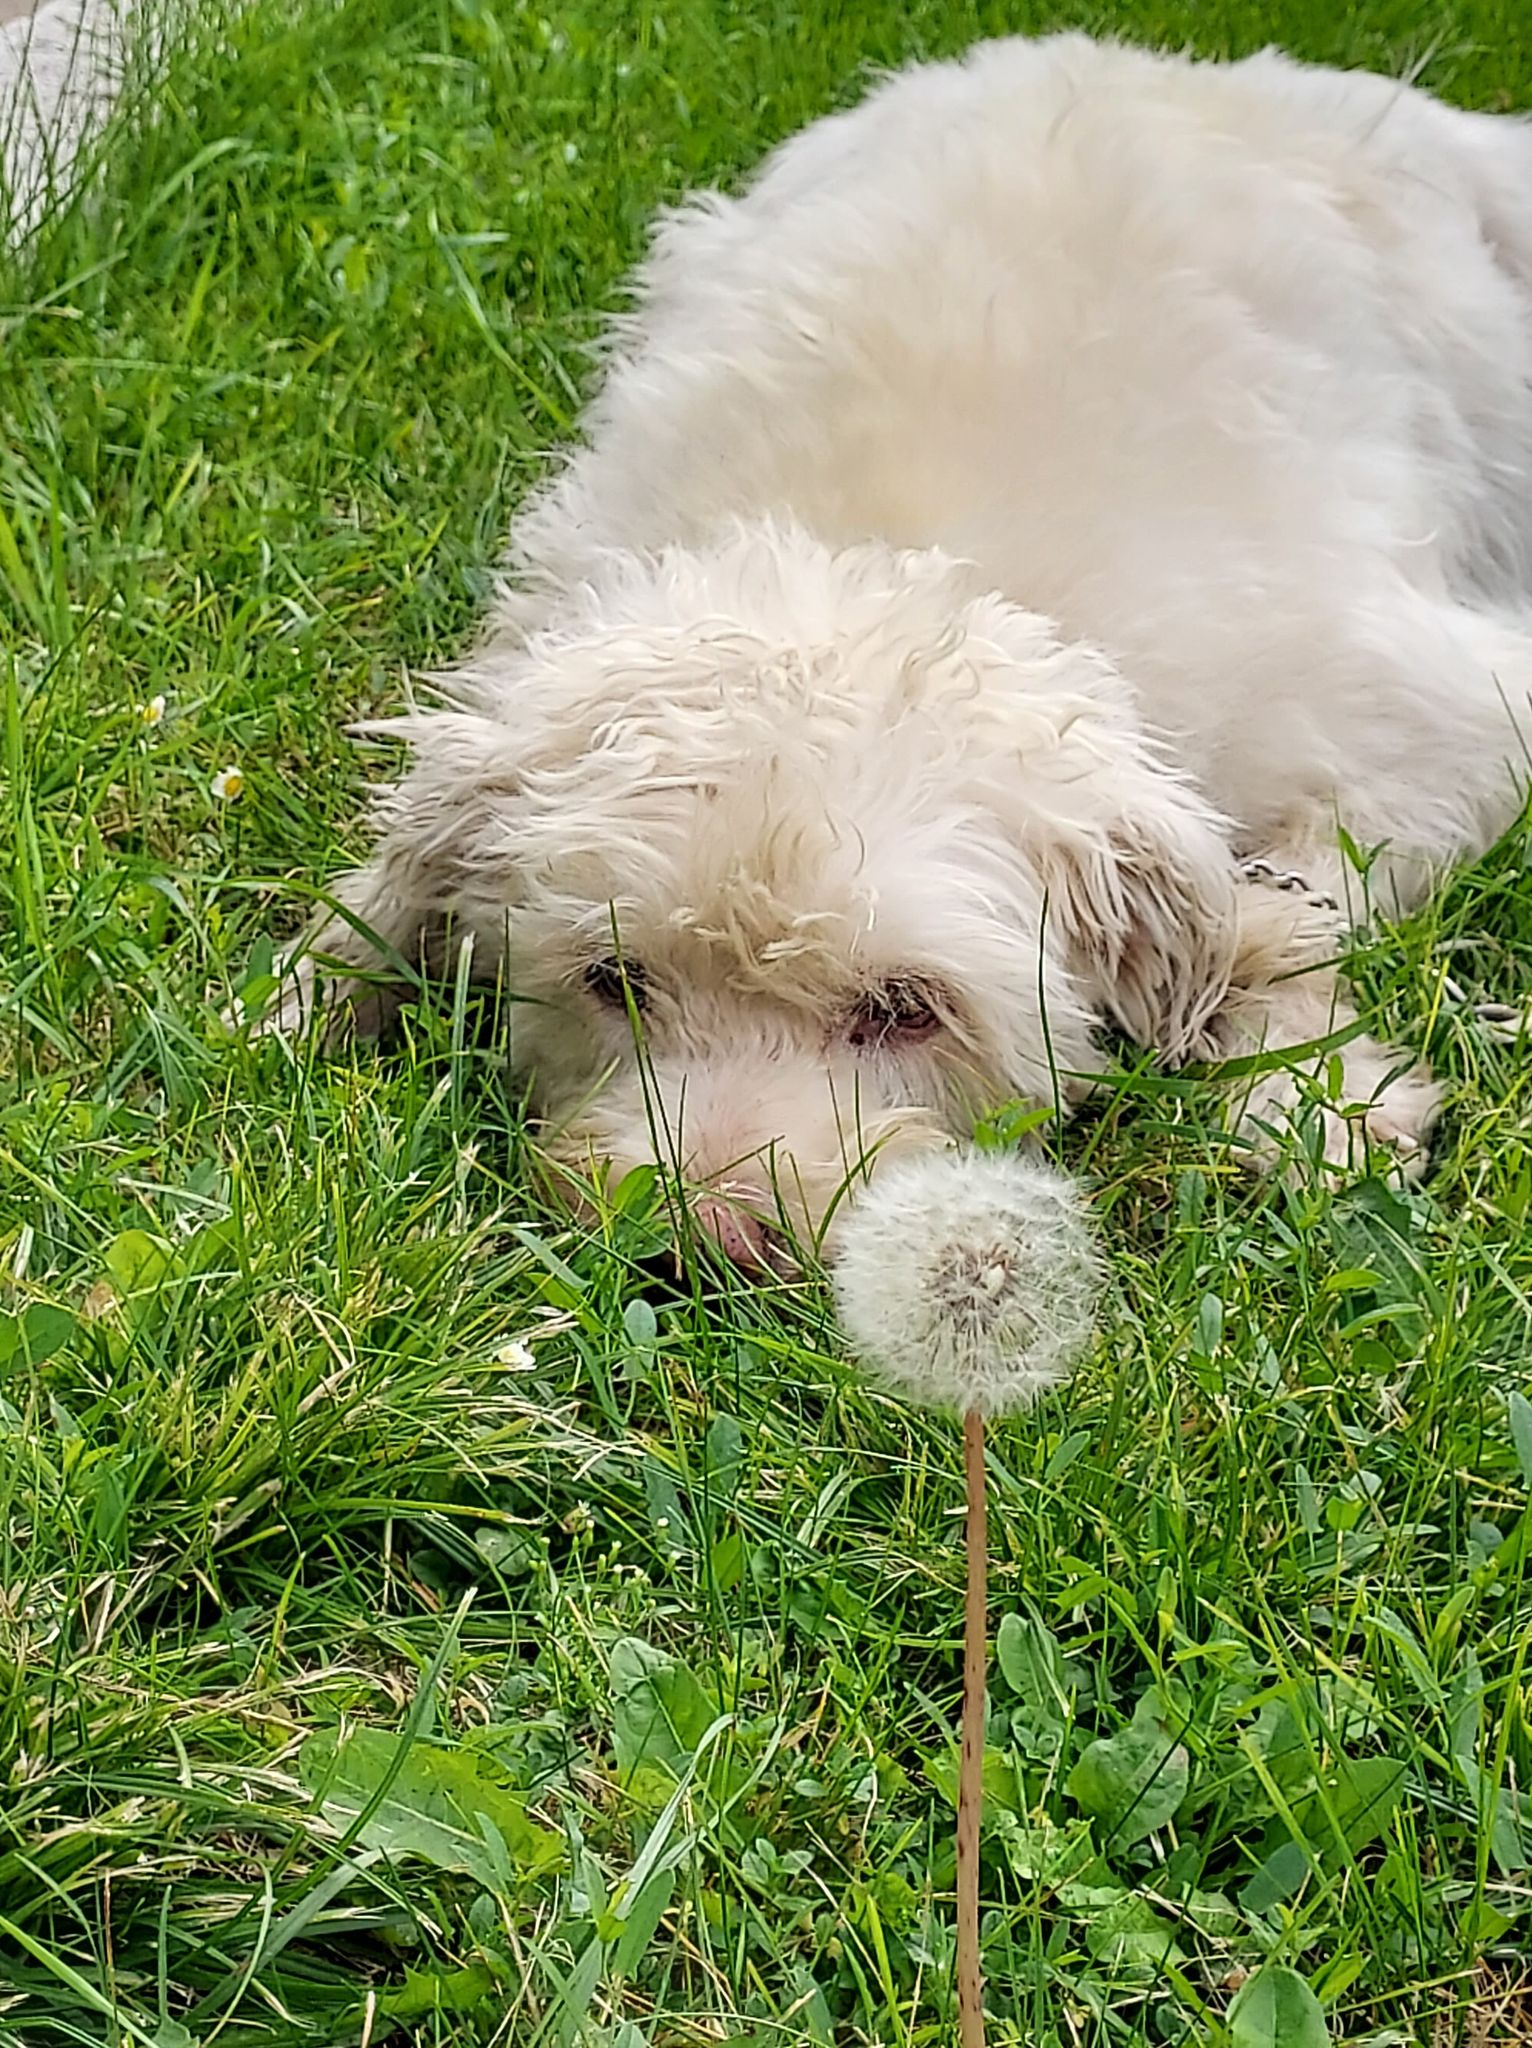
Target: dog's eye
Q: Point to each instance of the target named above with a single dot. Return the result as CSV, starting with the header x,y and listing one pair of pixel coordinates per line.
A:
x,y
613,981
902,1010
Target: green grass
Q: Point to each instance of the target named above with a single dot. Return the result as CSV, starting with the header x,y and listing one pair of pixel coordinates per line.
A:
x,y
361,1681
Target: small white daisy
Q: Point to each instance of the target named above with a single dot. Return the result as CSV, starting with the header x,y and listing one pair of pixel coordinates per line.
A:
x,y
517,1355
228,784
154,711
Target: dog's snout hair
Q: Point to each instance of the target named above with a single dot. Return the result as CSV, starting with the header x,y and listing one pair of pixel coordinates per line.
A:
x,y
782,1141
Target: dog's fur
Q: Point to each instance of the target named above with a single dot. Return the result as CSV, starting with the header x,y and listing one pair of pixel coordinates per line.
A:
x,y
1065,476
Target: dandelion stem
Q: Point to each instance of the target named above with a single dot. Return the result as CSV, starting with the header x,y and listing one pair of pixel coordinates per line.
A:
x,y
970,1981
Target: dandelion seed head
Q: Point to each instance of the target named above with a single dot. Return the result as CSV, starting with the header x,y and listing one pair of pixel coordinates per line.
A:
x,y
968,1280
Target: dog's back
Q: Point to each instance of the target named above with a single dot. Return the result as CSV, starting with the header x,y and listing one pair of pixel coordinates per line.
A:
x,y
1069,309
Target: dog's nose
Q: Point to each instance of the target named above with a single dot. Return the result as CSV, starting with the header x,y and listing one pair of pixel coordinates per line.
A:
x,y
744,1240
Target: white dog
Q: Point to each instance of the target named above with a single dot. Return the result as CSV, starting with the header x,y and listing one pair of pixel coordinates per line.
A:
x,y
1009,541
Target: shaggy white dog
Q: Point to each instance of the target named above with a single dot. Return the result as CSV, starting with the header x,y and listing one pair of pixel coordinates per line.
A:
x,y
1008,543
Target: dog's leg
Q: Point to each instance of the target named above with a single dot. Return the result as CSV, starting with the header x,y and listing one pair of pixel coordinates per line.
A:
x,y
358,960
1286,998
1440,738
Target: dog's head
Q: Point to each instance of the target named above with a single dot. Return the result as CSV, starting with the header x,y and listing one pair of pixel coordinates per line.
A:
x,y
792,858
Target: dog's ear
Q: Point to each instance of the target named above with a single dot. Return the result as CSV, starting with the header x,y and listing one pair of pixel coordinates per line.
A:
x,y
1145,908
440,874
444,832
1138,875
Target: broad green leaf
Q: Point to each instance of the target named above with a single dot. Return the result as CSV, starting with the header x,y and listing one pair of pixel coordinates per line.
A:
x,y
1373,1230
1278,1878
1357,1803
1209,1328
1280,1738
35,1334
636,1191
1336,1821
727,1561
424,1992
1212,1913
1032,1664
137,1262
1276,2009
510,1552
659,1711
1057,1858
1466,1711
139,1265
639,1323
213,1248
1353,1280
1483,1923
1521,1433
723,1452
109,1510
811,2014
1405,1640
260,966
1510,1826
1499,1809
1131,1783
450,1807
561,1283
668,1518
1001,1792
1127,1932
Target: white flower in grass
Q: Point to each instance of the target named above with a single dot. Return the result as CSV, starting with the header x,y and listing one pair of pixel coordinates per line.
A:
x,y
968,1280
228,784
517,1355
153,712
580,1520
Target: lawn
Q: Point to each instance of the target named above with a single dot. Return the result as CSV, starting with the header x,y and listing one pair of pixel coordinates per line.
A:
x,y
418,1624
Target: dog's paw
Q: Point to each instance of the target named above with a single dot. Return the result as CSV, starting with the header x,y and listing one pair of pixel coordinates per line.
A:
x,y
302,997
1506,1023
281,1004
1397,1122
1380,1119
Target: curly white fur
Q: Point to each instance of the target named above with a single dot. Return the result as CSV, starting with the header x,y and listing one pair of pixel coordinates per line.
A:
x,y
1064,475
